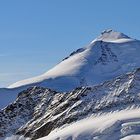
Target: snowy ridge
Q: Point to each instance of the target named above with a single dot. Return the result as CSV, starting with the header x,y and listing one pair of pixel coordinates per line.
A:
x,y
43,110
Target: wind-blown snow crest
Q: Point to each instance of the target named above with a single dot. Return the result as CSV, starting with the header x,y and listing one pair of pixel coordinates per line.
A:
x,y
123,125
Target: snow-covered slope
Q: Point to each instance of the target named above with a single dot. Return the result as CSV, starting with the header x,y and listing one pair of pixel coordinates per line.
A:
x,y
109,55
123,125
40,110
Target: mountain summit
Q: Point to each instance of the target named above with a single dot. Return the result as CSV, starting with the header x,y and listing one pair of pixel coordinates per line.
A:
x,y
112,35
109,55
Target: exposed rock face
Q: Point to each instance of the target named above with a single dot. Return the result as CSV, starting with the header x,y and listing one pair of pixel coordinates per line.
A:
x,y
107,55
37,111
28,106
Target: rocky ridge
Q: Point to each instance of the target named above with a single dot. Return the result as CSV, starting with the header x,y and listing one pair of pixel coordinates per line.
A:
x,y
37,111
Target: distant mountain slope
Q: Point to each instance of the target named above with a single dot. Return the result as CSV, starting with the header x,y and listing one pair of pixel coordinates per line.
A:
x,y
109,55
38,111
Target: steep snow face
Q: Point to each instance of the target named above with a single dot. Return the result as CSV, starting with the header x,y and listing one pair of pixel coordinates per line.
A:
x,y
108,56
123,125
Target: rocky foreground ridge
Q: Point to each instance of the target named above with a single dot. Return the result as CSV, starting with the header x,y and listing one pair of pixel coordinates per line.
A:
x,y
37,111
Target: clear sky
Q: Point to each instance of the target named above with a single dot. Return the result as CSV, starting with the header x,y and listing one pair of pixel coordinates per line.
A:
x,y
35,35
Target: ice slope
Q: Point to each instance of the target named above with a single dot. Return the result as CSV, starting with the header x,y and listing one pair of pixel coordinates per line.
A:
x,y
123,125
109,55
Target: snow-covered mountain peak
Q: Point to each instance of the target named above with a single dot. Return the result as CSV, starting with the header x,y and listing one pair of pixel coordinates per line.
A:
x,y
111,35
103,59
100,81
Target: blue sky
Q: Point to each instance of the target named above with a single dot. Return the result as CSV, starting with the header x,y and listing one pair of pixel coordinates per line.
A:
x,y
35,35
